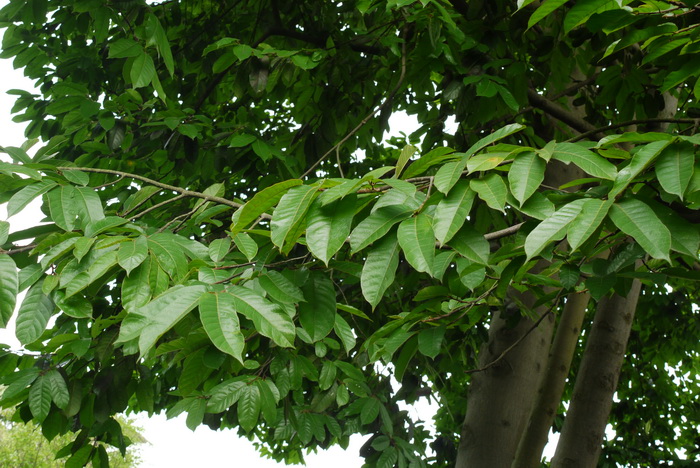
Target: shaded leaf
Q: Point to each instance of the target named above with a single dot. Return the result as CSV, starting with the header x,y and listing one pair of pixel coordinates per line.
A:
x,y
217,311
379,270
636,219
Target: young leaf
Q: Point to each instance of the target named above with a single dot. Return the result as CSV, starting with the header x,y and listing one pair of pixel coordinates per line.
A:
x,y
492,190
674,167
260,203
217,311
525,175
452,211
329,226
9,287
416,239
379,269
552,229
290,212
636,219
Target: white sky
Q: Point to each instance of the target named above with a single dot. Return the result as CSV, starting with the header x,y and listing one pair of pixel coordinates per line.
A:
x,y
172,444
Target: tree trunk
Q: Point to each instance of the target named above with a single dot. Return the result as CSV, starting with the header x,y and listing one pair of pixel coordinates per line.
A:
x,y
536,434
582,435
500,397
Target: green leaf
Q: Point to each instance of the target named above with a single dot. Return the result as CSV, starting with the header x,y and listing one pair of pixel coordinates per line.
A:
x,y
494,137
269,319
89,208
124,48
290,213
674,167
430,341
40,398
142,70
582,10
169,254
9,288
317,314
57,388
22,198
132,253
62,205
278,287
525,175
224,395
217,311
416,239
377,224
433,157
587,160
552,229
77,177
639,162
33,315
452,211
219,248
635,218
448,175
105,224
593,212
404,156
379,270
471,245
76,307
260,203
344,332
485,161
161,314
246,245
328,226
491,189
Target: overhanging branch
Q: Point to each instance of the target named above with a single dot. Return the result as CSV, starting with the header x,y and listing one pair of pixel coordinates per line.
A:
x,y
559,113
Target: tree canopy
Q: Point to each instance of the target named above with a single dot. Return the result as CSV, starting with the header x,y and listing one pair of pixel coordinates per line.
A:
x,y
228,235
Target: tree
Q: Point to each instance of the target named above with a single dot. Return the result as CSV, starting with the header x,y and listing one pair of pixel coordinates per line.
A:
x,y
228,237
24,446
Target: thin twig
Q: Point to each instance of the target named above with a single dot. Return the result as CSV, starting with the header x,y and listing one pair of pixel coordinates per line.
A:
x,y
364,121
18,249
469,306
503,232
156,206
119,179
519,340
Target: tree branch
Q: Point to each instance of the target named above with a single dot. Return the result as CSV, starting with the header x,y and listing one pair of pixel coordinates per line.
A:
x,y
633,122
559,113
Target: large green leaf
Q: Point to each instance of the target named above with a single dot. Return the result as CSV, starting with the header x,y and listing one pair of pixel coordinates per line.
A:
x,y
9,287
290,213
674,167
269,319
224,395
448,175
160,315
525,175
63,206
452,211
582,10
249,406
217,311
40,398
635,218
379,270
317,313
587,160
57,388
494,137
377,224
593,212
143,70
471,244
169,254
552,229
639,162
328,226
544,10
417,241
33,315
260,203
22,198
132,253
491,189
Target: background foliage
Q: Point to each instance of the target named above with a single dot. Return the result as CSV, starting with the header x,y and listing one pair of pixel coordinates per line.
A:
x,y
225,236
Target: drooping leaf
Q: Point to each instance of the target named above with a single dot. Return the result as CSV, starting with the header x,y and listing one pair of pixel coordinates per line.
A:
x,y
379,270
290,213
593,212
62,205
544,10
430,341
269,319
246,245
452,211
377,224
33,315
639,162
448,175
587,160
9,287
552,229
674,167
260,203
491,189
406,153
494,137
280,288
132,253
317,314
525,175
25,196
636,219
416,239
219,248
217,311
329,226
471,245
